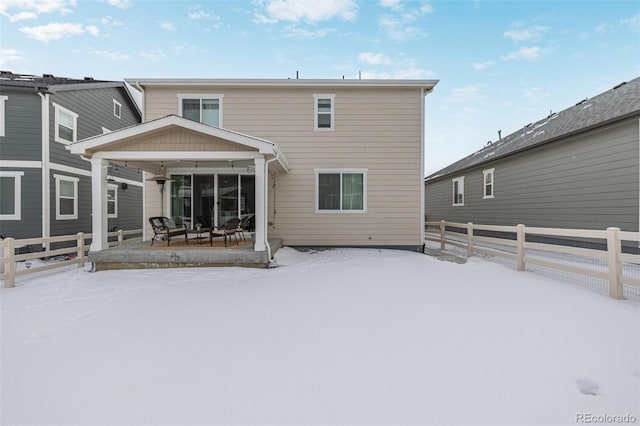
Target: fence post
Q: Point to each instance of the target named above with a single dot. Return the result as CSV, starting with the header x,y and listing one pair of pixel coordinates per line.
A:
x,y
10,270
469,239
615,266
80,250
520,238
120,237
442,229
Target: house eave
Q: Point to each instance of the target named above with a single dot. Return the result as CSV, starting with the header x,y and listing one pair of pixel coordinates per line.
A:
x,y
229,82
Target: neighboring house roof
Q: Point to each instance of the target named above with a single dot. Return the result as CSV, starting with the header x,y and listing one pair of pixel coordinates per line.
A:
x,y
7,78
618,103
51,83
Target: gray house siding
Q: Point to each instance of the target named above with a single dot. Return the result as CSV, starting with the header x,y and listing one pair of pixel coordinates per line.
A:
x,y
588,181
22,140
129,209
93,102
30,224
83,222
91,120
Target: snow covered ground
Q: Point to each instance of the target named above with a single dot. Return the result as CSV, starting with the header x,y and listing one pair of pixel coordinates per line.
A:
x,y
332,337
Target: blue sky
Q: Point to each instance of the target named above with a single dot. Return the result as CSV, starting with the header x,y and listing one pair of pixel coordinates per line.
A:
x,y
501,64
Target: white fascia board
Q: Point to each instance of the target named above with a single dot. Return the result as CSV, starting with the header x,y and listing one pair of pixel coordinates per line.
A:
x,y
81,147
240,82
177,155
84,86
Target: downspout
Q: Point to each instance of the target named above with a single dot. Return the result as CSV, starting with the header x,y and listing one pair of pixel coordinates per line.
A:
x,y
144,186
266,204
46,184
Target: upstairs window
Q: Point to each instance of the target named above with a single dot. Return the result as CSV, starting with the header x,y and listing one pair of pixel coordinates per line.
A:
x,y
117,109
488,183
341,191
458,191
324,106
206,109
66,122
10,195
2,114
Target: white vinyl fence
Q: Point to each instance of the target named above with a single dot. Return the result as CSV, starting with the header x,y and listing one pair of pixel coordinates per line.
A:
x,y
609,256
77,247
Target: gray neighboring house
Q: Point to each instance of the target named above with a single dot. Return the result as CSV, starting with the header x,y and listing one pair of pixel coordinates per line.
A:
x,y
44,189
578,168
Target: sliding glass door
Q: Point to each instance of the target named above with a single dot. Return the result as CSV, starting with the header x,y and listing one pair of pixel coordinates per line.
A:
x,y
211,199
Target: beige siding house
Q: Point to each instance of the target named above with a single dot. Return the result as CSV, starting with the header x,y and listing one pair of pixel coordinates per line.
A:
x,y
317,162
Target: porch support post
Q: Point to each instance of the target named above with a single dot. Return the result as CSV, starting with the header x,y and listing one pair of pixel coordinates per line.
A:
x,y
261,204
99,224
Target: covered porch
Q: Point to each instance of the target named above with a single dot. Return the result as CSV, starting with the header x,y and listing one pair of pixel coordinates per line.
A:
x,y
194,174
143,256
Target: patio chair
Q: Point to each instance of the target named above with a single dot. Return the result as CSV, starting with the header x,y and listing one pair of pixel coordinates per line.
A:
x,y
244,224
162,227
226,230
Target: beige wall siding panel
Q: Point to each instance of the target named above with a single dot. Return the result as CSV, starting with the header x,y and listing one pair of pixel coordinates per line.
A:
x,y
151,202
178,140
377,129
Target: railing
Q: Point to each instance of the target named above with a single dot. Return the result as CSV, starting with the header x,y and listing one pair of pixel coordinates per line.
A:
x,y
8,256
463,235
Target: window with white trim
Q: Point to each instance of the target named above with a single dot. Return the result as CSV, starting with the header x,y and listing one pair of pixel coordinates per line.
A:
x,y
204,108
488,177
341,190
324,111
458,191
117,109
2,115
10,195
66,197
66,122
112,201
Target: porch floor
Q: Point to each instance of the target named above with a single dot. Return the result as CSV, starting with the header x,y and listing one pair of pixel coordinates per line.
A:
x,y
178,255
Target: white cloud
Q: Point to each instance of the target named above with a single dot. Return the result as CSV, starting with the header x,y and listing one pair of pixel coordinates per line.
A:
x,y
293,31
38,6
22,16
525,34
53,31
468,94
374,58
396,23
8,56
93,30
482,65
391,4
602,28
108,21
534,95
120,4
633,23
196,12
109,54
529,53
397,28
166,25
406,69
307,10
154,55
30,9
